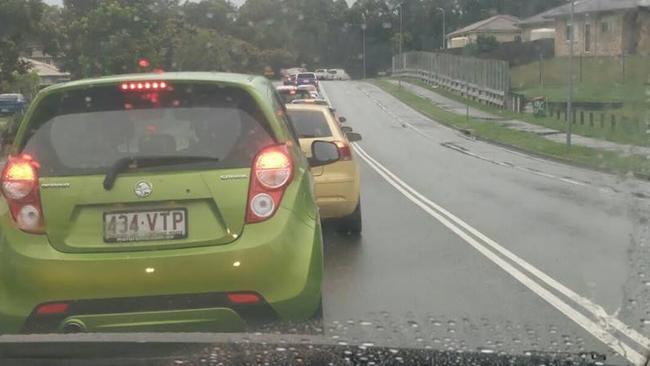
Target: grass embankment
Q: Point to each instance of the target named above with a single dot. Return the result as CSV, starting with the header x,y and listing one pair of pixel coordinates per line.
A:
x,y
525,141
598,79
624,132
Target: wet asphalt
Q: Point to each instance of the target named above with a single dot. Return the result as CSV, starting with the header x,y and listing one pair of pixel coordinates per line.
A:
x,y
410,279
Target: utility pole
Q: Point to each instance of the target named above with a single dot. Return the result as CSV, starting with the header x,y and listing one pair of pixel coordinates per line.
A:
x,y
569,104
401,36
444,29
363,31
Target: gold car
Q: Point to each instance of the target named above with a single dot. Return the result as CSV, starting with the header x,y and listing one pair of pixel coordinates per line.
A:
x,y
337,184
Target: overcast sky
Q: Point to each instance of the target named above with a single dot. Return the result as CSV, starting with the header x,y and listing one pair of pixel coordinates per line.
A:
x,y
237,2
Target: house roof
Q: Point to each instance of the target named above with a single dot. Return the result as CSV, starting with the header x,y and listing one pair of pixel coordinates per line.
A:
x,y
540,18
497,23
43,69
595,6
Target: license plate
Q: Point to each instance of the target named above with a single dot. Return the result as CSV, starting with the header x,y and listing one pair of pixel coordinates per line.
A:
x,y
4,110
145,225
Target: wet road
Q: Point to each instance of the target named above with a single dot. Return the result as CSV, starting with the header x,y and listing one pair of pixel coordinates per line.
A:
x,y
467,245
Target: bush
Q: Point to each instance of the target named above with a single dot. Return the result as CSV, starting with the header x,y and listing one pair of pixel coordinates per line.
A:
x,y
9,130
483,44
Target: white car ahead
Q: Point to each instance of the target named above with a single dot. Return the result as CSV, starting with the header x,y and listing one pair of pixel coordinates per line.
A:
x,y
337,74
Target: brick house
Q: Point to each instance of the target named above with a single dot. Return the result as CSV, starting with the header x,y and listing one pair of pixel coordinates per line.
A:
x,y
603,27
501,27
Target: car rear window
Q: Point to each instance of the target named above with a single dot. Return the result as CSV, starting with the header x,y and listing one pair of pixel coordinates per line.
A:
x,y
306,76
8,98
297,94
86,131
310,124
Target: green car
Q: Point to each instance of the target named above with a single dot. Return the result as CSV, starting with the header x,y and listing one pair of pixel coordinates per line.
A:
x,y
158,202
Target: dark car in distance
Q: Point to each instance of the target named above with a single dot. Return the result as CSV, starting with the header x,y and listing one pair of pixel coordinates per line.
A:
x,y
307,78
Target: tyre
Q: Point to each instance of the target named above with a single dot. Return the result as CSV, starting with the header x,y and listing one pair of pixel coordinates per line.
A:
x,y
318,314
351,223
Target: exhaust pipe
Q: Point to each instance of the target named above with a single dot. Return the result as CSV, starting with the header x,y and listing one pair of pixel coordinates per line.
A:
x,y
74,326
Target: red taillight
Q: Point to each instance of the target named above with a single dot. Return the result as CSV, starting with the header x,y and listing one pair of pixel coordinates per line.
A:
x,y
52,308
144,85
344,150
244,298
20,189
272,171
144,63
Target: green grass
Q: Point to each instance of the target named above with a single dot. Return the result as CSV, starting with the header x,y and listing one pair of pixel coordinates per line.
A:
x,y
599,79
588,157
625,133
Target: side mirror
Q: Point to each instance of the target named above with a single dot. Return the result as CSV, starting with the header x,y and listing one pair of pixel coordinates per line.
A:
x,y
342,119
353,136
346,129
323,153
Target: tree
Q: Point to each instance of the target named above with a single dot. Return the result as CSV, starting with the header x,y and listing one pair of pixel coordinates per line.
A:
x,y
26,84
19,24
110,36
217,15
97,37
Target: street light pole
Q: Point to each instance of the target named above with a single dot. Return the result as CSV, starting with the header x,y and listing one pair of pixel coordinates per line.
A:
x,y
401,36
569,104
363,31
444,29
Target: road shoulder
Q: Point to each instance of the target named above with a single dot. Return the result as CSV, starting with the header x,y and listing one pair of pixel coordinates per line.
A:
x,y
524,141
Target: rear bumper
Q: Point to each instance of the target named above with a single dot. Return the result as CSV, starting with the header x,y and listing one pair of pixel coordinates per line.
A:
x,y
10,109
336,199
280,259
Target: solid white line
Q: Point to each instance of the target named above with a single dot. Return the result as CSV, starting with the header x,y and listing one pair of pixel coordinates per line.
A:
x,y
323,93
597,310
437,212
587,304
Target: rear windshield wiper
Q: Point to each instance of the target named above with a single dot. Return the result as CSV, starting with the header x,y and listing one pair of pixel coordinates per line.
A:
x,y
149,161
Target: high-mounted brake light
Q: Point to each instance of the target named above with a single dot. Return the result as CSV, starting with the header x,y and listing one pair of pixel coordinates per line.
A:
x,y
144,85
20,188
272,172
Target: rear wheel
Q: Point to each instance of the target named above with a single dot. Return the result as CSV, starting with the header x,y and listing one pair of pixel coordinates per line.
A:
x,y
351,223
318,314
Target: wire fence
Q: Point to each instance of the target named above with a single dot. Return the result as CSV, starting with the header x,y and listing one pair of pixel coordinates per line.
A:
x,y
487,81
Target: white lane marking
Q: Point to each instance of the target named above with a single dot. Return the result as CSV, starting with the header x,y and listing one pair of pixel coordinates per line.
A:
x,y
587,304
443,216
323,93
396,117
453,146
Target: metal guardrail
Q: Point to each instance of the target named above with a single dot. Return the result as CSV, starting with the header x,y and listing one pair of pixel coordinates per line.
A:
x,y
487,81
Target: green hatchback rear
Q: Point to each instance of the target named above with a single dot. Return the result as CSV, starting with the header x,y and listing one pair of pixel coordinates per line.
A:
x,y
157,202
